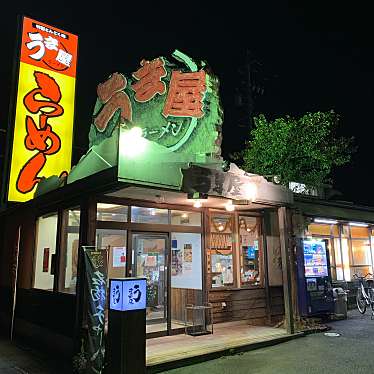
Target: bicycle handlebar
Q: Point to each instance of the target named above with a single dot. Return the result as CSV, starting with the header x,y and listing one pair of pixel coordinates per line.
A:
x,y
362,277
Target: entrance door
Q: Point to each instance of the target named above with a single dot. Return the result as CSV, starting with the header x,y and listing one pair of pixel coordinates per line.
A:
x,y
149,260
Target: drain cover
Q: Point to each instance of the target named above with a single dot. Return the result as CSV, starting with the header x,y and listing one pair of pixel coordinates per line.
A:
x,y
332,334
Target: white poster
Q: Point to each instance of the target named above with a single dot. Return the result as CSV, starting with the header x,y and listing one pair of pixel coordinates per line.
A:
x,y
119,257
186,266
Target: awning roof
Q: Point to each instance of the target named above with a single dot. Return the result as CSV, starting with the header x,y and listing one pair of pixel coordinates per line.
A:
x,y
337,211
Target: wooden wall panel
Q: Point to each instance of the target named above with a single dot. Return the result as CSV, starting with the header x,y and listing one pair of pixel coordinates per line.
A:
x,y
180,297
247,304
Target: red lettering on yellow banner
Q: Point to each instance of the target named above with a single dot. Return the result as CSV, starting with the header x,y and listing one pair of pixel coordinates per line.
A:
x,y
40,137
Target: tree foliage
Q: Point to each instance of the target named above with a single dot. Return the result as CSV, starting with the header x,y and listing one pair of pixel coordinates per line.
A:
x,y
303,150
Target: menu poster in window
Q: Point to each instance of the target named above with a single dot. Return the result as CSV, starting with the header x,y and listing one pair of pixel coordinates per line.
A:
x,y
46,260
151,260
119,257
176,262
185,219
187,257
186,269
251,254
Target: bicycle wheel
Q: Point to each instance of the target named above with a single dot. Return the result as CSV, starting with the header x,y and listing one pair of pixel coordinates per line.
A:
x,y
360,301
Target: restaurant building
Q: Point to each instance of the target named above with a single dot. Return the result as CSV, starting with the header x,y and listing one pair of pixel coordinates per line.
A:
x,y
154,192
348,231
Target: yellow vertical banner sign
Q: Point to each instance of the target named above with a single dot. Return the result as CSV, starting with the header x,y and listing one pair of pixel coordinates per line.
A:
x,y
44,116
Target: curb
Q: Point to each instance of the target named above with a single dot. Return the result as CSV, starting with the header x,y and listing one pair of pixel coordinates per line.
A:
x,y
316,330
158,368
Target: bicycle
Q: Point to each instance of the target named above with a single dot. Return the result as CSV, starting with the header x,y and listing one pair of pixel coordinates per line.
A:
x,y
365,295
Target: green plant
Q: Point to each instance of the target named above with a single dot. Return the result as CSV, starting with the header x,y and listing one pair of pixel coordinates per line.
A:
x,y
303,150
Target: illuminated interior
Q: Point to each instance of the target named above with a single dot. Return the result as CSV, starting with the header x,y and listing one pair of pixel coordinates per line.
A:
x,y
349,246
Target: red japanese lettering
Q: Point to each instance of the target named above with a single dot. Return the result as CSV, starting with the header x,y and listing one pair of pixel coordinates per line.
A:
x,y
185,96
40,137
111,94
149,80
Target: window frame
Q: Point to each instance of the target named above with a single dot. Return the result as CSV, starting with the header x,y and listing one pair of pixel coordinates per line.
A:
x,y
236,250
63,230
58,249
36,237
345,233
261,247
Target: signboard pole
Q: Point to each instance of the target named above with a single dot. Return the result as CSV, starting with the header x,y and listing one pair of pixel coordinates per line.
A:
x,y
11,114
14,279
127,326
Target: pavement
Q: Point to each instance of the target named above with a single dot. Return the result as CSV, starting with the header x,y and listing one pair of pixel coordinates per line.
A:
x,y
351,352
16,358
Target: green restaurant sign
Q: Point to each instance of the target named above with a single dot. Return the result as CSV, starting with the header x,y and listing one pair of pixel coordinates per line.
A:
x,y
175,103
154,122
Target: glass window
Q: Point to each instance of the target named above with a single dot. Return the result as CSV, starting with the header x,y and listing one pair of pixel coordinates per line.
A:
x,y
186,260
372,249
111,212
361,252
345,231
45,253
338,259
346,261
179,217
220,261
319,229
149,215
249,234
149,260
186,275
334,230
362,271
359,232
115,241
69,251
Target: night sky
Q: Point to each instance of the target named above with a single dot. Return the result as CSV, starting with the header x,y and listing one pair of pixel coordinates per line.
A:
x,y
310,57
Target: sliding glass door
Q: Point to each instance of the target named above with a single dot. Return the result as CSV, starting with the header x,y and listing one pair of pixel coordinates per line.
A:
x,y
149,260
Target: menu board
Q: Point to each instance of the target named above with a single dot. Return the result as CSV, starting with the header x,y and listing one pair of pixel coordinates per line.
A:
x,y
315,258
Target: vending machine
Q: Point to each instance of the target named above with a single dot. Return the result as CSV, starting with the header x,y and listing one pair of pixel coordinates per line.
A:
x,y
314,278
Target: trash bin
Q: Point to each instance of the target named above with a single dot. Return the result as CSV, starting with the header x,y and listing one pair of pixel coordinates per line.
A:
x,y
340,302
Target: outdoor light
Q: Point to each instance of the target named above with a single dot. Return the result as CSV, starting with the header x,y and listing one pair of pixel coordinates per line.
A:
x,y
196,197
250,191
358,224
133,142
197,203
229,206
323,220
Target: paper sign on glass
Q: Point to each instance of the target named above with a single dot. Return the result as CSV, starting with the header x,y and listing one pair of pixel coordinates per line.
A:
x,y
119,257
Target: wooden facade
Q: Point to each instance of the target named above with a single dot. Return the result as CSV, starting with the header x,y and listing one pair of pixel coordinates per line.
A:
x,y
248,304
53,319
